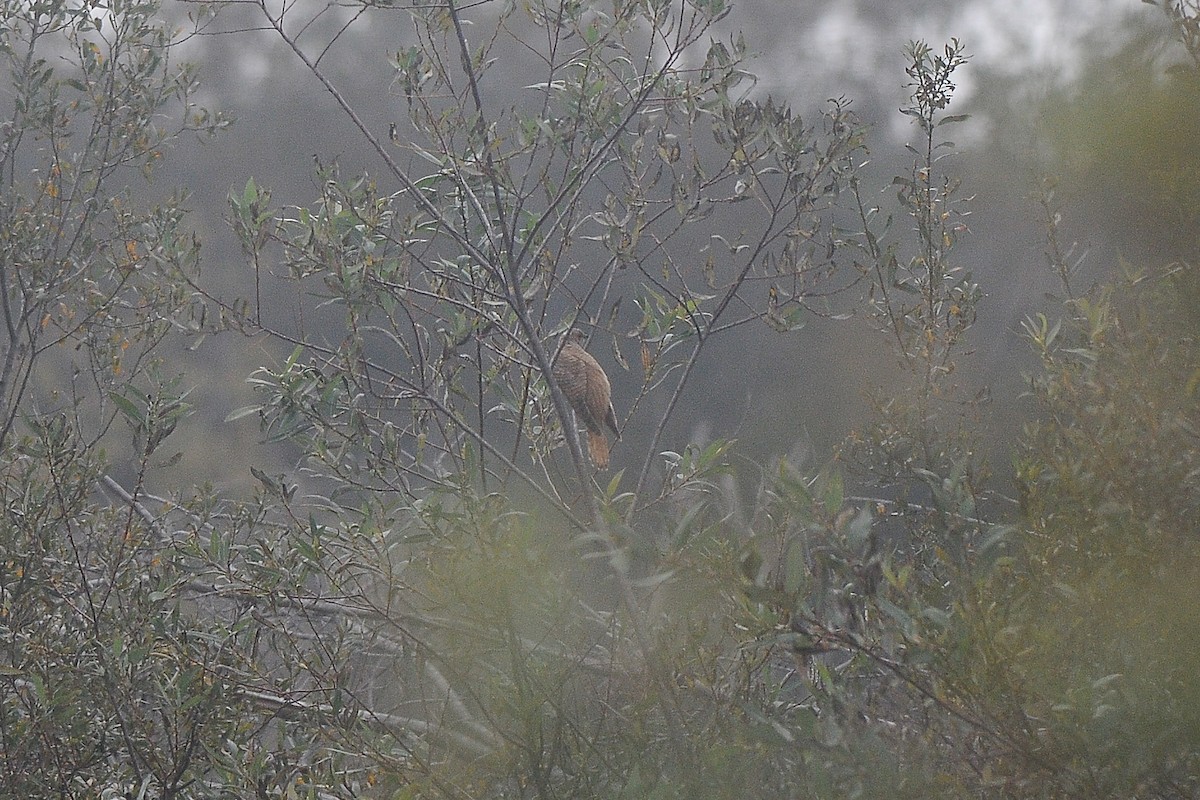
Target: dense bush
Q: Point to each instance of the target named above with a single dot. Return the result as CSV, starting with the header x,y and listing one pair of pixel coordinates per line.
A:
x,y
439,597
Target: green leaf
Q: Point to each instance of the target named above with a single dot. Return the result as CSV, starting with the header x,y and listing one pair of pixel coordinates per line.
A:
x,y
611,490
996,540
896,614
244,411
795,568
249,193
293,358
683,528
951,119
128,408
938,616
835,495
750,563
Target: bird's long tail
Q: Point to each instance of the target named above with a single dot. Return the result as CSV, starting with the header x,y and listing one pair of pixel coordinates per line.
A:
x,y
598,449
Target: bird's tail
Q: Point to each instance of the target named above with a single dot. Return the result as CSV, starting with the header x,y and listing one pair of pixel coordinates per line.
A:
x,y
598,448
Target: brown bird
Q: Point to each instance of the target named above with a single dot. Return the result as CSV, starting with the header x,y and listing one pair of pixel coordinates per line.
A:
x,y
586,387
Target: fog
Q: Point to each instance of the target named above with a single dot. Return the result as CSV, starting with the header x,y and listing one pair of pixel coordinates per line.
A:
x,y
795,396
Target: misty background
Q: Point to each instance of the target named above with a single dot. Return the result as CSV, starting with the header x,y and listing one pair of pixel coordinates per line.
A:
x,y
1052,87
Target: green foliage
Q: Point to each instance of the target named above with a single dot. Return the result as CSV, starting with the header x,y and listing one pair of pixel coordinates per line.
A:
x,y
1086,632
919,447
441,601
80,263
108,685
510,224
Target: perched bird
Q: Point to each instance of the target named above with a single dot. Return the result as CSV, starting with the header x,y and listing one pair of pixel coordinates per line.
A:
x,y
586,387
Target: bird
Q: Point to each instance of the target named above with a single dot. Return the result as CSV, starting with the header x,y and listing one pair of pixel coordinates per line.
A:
x,y
586,388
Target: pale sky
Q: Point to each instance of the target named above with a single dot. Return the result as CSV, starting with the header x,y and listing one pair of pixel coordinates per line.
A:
x,y
819,49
